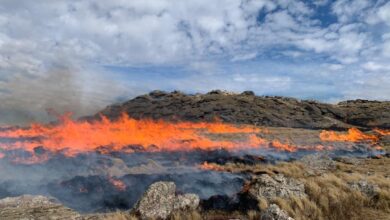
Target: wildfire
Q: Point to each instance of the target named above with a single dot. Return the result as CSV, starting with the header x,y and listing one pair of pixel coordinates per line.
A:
x,y
382,132
210,166
70,137
73,137
286,147
118,184
353,135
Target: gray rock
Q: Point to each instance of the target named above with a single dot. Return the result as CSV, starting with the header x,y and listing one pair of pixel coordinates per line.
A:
x,y
157,201
349,160
187,201
160,200
365,187
318,163
269,187
30,207
248,93
273,212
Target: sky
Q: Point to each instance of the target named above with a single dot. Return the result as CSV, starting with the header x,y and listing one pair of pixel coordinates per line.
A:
x,y
81,55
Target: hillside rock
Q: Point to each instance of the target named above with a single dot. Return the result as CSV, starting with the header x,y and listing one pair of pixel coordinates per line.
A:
x,y
365,187
318,163
29,207
273,212
247,108
186,201
160,200
267,187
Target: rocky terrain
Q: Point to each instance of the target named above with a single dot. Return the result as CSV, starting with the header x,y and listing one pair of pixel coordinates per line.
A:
x,y
247,108
315,186
343,188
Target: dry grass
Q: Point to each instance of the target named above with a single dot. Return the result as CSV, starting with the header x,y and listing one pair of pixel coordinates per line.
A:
x,y
118,215
329,196
190,215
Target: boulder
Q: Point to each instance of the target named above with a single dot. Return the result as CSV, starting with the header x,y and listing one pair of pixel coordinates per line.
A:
x,y
248,93
32,207
318,163
349,160
160,200
186,201
157,201
370,190
265,186
273,212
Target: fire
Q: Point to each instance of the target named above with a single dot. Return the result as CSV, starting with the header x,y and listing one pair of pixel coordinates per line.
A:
x,y
353,135
118,184
382,132
70,137
286,147
73,137
210,166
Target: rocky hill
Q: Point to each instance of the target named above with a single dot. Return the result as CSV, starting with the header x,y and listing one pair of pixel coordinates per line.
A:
x,y
247,108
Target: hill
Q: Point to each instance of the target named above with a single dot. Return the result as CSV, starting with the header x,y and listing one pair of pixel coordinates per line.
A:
x,y
247,108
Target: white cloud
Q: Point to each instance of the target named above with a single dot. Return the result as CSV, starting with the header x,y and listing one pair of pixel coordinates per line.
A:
x,y
374,66
384,13
42,40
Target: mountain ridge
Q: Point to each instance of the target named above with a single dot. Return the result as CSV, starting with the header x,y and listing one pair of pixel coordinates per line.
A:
x,y
247,108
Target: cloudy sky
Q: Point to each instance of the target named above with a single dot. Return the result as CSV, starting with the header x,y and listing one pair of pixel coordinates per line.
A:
x,y
82,55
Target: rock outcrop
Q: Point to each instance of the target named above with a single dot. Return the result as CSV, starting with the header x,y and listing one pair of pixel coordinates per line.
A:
x,y
247,108
365,187
318,163
29,207
160,200
267,187
273,212
186,201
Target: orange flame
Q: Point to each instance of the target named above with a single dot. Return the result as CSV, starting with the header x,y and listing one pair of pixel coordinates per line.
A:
x,y
280,145
118,184
71,137
210,166
382,132
74,137
353,135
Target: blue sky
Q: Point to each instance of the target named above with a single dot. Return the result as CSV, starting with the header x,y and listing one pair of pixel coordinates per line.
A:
x,y
83,55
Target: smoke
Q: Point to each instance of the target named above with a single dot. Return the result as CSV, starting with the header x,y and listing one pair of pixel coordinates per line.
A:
x,y
82,182
26,97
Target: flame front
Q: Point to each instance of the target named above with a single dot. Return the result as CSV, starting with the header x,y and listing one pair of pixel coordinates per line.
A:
x,y
127,135
73,137
210,166
353,135
382,132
